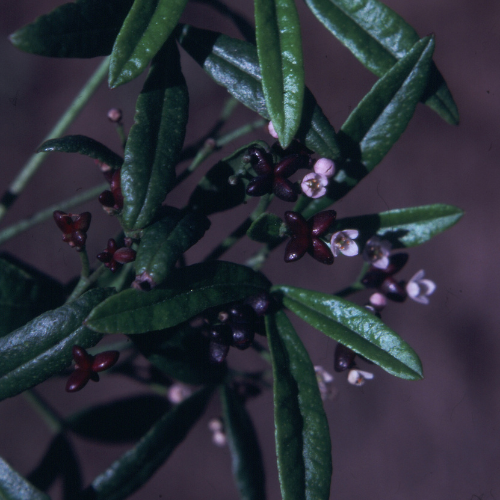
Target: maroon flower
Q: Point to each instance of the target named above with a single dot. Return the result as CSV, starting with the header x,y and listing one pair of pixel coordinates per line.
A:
x,y
74,228
113,257
88,366
305,236
112,199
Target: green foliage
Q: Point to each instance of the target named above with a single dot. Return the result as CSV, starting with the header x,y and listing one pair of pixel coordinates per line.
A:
x,y
266,229
13,486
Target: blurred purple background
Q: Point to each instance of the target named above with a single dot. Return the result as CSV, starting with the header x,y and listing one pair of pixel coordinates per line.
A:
x,y
392,439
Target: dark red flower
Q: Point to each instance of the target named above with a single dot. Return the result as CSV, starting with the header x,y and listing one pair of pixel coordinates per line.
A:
x,y
112,199
384,280
113,257
74,228
305,236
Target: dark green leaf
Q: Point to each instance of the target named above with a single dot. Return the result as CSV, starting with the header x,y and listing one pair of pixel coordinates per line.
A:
x,y
42,347
119,421
302,437
248,469
182,353
83,145
404,227
378,38
85,28
234,64
279,48
146,28
155,140
354,327
378,121
191,291
163,243
137,465
13,486
266,229
24,293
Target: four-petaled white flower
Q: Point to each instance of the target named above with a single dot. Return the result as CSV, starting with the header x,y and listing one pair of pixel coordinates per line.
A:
x,y
419,288
325,166
314,185
377,252
358,377
343,241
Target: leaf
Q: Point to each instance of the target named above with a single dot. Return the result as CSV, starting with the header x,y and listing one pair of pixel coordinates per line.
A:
x,y
266,229
42,347
137,465
83,145
404,227
119,421
378,121
24,293
354,327
146,28
14,487
155,140
182,352
192,290
85,28
165,241
378,38
279,48
234,64
302,437
246,457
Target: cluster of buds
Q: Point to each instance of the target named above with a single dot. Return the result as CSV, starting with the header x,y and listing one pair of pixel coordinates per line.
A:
x,y
74,228
112,199
315,183
87,367
113,257
216,427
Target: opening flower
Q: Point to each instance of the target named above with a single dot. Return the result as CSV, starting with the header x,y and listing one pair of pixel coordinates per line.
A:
x,y
358,377
314,185
325,383
419,288
112,199
113,257
377,252
325,166
343,242
74,228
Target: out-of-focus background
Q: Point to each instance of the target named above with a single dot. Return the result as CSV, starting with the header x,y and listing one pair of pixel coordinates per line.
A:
x,y
392,439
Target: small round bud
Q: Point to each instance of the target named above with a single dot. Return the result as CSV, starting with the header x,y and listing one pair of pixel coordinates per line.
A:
x,y
325,166
272,130
115,115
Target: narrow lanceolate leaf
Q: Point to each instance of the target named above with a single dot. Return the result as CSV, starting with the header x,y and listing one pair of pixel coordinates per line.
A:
x,y
246,457
146,28
378,38
234,64
84,146
155,140
163,243
354,327
42,347
302,437
189,292
13,486
85,28
279,48
136,466
378,121
404,227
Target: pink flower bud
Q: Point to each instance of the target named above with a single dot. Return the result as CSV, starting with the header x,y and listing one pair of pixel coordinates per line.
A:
x,y
325,166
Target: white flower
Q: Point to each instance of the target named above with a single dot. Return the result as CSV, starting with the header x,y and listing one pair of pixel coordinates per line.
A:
x,y
314,185
342,241
325,383
378,301
271,130
178,392
377,252
325,166
419,288
218,435
358,377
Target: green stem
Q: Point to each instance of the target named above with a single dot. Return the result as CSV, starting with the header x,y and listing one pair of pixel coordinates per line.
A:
x,y
64,122
84,259
85,283
240,231
357,285
50,417
45,214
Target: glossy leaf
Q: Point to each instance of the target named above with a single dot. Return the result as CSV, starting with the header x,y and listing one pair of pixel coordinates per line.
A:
x,y
303,443
84,146
266,229
137,465
13,486
42,347
24,293
165,241
246,457
404,227
121,421
356,328
146,28
155,140
234,64
85,28
378,121
279,47
378,38
189,292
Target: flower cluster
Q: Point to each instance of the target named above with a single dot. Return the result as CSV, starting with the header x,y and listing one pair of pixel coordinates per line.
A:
x,y
74,228
114,257
314,184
